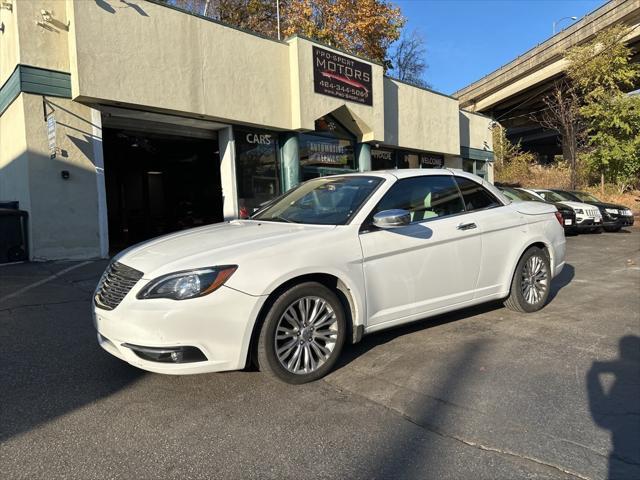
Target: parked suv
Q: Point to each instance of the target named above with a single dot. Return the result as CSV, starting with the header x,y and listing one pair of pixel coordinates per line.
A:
x,y
568,215
588,217
614,217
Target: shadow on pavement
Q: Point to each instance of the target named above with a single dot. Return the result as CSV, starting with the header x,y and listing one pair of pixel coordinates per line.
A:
x,y
50,364
352,352
617,408
561,281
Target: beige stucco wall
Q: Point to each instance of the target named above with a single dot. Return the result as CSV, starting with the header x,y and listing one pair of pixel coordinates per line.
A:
x,y
14,166
63,213
420,119
364,120
475,131
9,51
154,56
43,46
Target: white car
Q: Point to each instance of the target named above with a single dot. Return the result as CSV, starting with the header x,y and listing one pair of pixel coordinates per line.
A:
x,y
331,260
588,217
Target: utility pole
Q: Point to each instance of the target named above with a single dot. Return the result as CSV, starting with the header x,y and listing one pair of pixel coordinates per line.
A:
x,y
278,16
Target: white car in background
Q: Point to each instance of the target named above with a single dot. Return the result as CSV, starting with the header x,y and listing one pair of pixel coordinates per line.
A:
x,y
329,261
588,217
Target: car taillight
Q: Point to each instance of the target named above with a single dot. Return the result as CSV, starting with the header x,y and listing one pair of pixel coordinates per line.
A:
x,y
560,219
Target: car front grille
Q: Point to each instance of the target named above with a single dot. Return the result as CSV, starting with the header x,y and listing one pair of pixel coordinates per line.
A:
x,y
114,285
593,212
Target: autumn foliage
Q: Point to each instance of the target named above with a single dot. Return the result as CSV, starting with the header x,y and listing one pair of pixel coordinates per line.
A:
x,y
362,27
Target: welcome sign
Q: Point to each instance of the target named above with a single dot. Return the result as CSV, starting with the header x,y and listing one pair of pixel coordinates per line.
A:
x,y
340,76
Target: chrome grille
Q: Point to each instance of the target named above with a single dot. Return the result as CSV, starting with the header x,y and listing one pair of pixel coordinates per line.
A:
x,y
593,212
115,283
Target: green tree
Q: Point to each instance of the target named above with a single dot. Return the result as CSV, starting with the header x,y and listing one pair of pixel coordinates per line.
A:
x,y
602,74
512,166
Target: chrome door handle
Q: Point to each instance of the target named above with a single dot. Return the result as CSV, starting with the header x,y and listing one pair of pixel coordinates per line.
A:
x,y
466,226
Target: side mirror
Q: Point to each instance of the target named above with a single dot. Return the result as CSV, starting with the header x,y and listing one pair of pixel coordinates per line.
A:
x,y
392,219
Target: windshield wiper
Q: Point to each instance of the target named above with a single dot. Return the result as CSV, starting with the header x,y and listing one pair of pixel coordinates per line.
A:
x,y
280,217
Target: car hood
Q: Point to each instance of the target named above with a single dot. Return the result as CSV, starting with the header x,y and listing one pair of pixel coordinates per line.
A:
x,y
218,244
607,205
575,205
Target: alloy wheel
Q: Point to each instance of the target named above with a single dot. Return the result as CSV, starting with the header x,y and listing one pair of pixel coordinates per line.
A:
x,y
535,280
306,335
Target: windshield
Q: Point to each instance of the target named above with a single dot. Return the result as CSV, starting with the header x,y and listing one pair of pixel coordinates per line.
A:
x,y
322,201
551,196
586,197
519,195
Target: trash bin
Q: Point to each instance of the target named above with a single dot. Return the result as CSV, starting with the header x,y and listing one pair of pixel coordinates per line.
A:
x,y
12,204
14,244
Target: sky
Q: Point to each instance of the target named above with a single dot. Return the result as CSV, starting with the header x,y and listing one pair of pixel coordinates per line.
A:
x,y
467,39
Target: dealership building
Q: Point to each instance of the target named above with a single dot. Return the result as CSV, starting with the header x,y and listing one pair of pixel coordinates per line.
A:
x,y
121,121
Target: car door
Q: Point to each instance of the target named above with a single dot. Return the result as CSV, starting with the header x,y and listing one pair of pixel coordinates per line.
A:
x,y
503,233
430,264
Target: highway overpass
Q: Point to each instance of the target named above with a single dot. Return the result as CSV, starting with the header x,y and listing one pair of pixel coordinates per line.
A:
x,y
513,92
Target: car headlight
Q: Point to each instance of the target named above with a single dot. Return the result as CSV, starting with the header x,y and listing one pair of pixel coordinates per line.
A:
x,y
579,210
612,210
188,283
627,213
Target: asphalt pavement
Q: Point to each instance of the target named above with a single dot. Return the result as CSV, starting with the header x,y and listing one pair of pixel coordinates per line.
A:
x,y
484,393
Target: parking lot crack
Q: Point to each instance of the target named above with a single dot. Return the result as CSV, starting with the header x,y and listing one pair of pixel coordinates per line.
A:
x,y
457,438
487,448
42,305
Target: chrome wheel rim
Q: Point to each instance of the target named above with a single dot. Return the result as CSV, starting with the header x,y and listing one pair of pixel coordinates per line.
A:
x,y
535,280
306,335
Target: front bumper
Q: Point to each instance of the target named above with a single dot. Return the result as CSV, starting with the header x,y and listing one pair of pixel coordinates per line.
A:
x,y
219,325
588,223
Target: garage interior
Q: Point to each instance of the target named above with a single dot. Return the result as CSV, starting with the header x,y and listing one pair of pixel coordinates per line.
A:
x,y
159,178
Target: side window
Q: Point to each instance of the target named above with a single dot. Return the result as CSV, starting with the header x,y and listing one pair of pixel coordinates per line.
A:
x,y
424,197
475,196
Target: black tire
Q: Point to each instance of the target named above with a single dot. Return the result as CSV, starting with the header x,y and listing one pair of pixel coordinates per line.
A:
x,y
516,300
612,229
268,360
597,230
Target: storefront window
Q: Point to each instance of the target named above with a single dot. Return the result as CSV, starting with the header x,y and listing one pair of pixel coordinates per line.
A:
x,y
477,167
431,160
327,151
256,168
419,160
383,159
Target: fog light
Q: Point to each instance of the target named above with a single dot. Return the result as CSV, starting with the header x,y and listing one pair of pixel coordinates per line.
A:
x,y
168,354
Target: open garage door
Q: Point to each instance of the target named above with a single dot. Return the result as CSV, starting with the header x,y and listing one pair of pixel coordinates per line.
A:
x,y
159,178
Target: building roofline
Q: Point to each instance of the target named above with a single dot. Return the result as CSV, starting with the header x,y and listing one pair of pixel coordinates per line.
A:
x,y
420,87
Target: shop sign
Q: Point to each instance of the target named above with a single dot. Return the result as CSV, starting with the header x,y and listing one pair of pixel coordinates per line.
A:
x,y
51,134
431,161
340,76
259,138
327,153
386,155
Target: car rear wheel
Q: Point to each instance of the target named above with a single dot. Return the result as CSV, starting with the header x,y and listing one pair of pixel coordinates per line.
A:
x,y
303,334
531,282
612,229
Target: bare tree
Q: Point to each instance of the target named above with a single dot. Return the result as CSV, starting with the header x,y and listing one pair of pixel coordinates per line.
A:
x,y
407,61
562,114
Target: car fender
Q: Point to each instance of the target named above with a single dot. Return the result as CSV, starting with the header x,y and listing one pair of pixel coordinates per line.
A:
x,y
531,240
352,281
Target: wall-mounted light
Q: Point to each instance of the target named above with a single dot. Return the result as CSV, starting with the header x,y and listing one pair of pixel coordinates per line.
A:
x,y
46,15
6,5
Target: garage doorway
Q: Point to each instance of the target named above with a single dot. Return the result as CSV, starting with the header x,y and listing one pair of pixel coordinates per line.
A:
x,y
158,182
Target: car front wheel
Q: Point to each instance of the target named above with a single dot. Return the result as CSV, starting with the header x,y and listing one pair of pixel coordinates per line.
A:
x,y
303,334
531,282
